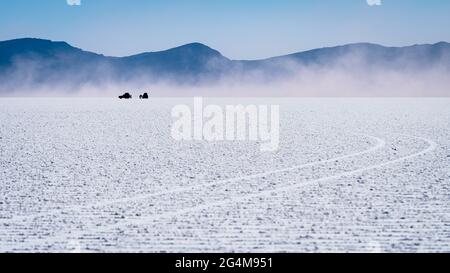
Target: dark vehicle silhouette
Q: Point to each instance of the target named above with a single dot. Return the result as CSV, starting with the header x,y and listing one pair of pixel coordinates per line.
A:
x,y
126,96
144,96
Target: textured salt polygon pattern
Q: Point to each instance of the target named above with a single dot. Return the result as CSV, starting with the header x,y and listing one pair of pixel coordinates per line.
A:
x,y
105,175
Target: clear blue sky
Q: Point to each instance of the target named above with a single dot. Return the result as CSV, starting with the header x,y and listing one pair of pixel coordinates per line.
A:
x,y
240,29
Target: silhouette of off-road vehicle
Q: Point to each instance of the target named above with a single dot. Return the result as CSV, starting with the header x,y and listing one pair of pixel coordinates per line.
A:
x,y
126,96
144,96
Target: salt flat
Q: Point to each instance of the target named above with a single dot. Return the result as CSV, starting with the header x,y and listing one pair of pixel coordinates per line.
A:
x,y
105,175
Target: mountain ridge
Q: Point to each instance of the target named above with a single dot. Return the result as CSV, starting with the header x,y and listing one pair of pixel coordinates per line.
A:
x,y
199,44
35,61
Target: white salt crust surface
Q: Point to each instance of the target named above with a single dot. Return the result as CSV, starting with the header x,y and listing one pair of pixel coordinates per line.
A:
x,y
103,175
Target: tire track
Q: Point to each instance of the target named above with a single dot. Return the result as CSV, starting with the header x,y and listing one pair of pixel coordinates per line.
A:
x,y
380,143
145,220
101,230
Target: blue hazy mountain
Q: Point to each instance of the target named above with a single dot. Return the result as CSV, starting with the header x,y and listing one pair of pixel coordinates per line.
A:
x,y
38,61
191,63
43,60
360,56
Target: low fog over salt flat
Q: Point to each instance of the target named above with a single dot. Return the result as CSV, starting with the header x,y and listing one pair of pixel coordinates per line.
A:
x,y
36,67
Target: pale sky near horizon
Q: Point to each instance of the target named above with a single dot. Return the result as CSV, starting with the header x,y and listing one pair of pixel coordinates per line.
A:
x,y
239,29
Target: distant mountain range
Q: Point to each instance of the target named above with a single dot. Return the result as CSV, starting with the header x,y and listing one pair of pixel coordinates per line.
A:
x,y
38,61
